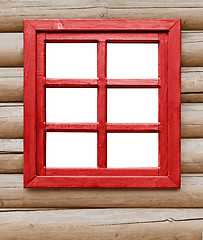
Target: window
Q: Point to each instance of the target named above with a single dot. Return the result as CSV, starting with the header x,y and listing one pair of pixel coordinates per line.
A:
x,y
102,103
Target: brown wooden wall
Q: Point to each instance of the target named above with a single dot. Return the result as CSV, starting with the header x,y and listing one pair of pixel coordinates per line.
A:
x,y
100,213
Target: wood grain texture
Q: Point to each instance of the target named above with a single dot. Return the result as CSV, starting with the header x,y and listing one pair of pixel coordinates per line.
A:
x,y
102,224
192,155
11,120
12,13
191,84
13,195
11,49
11,156
192,120
11,84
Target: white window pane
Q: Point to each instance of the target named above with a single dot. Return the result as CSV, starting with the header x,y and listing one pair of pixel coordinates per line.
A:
x,y
71,150
132,60
71,104
71,60
132,105
132,150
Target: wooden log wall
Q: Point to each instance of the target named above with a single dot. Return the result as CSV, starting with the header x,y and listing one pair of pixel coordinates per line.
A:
x,y
116,213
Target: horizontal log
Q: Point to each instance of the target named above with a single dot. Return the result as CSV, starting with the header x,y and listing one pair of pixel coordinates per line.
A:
x,y
11,49
11,163
102,224
13,195
192,98
191,120
192,49
11,156
191,80
11,146
12,14
191,84
11,120
192,155
11,84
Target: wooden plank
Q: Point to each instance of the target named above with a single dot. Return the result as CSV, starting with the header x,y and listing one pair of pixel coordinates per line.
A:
x,y
191,84
191,80
192,155
11,49
13,195
102,224
11,84
192,45
11,146
11,120
192,120
192,98
11,156
12,14
11,163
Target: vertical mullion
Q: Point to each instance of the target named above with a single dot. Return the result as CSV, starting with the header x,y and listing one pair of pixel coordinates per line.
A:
x,y
163,104
41,105
101,106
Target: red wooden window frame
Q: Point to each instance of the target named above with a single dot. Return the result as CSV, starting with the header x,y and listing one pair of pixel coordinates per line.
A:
x,y
167,34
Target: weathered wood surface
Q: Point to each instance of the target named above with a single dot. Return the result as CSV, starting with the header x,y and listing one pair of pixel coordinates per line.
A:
x,y
192,84
11,156
102,224
12,13
192,155
11,120
13,195
11,49
11,84
192,120
192,49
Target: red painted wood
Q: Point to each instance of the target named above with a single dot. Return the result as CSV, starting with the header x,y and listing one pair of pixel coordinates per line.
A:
x,y
133,83
174,103
71,127
101,106
101,25
102,172
132,127
102,182
95,37
163,104
41,105
167,34
29,103
70,83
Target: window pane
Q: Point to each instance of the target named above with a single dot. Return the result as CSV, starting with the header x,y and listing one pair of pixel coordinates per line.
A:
x,y
132,60
132,150
71,104
71,60
132,105
71,149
